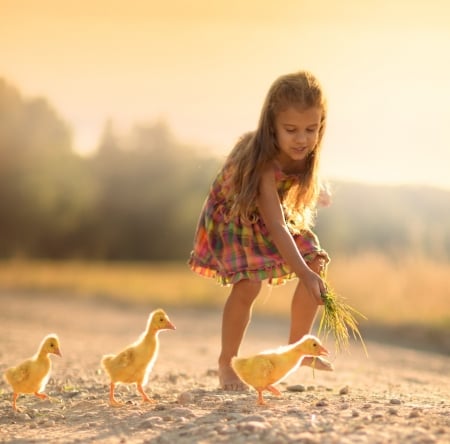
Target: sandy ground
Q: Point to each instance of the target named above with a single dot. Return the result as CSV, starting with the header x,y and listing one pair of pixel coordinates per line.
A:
x,y
397,395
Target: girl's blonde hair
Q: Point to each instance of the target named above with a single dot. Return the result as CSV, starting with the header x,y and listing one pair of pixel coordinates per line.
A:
x,y
255,150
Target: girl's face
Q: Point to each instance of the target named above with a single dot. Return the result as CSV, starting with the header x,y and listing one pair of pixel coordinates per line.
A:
x,y
297,133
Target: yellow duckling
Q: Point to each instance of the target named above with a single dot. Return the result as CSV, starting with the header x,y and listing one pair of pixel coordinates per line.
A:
x,y
135,362
264,370
32,375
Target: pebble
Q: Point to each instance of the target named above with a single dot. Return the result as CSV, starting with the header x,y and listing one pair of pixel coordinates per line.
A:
x,y
181,411
395,401
252,426
414,413
146,424
296,388
344,390
23,416
185,398
71,394
234,417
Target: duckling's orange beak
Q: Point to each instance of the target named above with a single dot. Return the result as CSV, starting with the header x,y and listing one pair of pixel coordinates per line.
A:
x,y
58,352
170,326
322,350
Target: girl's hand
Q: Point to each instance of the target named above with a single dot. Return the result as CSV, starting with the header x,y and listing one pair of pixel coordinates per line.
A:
x,y
314,285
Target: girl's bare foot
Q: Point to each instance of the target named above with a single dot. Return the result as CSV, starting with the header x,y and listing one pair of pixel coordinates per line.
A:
x,y
229,381
318,363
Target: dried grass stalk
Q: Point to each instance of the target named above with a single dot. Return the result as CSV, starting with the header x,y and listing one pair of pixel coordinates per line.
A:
x,y
339,319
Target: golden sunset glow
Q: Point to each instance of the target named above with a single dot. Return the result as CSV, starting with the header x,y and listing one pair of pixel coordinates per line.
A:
x,y
205,66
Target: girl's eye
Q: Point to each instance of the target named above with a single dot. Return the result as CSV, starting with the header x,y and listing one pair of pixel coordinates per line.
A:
x,y
290,130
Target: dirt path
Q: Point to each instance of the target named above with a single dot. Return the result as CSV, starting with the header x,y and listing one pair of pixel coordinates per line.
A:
x,y
396,396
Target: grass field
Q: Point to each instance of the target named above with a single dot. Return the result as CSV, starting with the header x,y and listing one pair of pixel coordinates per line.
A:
x,y
415,291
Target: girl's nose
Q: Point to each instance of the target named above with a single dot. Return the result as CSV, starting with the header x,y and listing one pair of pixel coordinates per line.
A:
x,y
300,137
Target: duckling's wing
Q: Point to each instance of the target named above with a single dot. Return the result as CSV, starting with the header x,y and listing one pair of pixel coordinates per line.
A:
x,y
255,370
19,374
125,358
266,367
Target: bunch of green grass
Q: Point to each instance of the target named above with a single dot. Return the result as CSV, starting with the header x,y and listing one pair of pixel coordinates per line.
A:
x,y
339,319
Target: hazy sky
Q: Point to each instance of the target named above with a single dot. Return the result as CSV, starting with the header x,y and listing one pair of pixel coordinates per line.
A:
x,y
204,66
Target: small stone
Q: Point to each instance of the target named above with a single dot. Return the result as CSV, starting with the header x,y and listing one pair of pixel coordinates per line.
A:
x,y
173,378
155,419
182,411
392,411
355,413
344,390
256,418
395,401
185,398
70,392
322,403
415,413
296,388
234,417
252,426
23,417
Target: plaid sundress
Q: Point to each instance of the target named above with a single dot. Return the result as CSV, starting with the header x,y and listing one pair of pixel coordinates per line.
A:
x,y
229,250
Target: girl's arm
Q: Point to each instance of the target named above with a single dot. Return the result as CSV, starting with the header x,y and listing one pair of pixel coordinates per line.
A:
x,y
270,209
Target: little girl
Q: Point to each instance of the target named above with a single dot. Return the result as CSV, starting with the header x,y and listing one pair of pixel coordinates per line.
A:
x,y
256,221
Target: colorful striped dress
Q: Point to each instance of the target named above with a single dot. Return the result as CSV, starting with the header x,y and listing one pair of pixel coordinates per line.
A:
x,y
229,250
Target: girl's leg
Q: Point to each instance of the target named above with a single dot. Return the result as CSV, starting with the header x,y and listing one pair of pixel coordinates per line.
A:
x,y
303,307
303,313
236,317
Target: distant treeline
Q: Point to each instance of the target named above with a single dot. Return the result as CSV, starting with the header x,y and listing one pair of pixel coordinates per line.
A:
x,y
138,197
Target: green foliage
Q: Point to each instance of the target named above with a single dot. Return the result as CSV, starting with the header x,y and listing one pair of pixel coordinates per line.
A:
x,y
138,197
44,188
